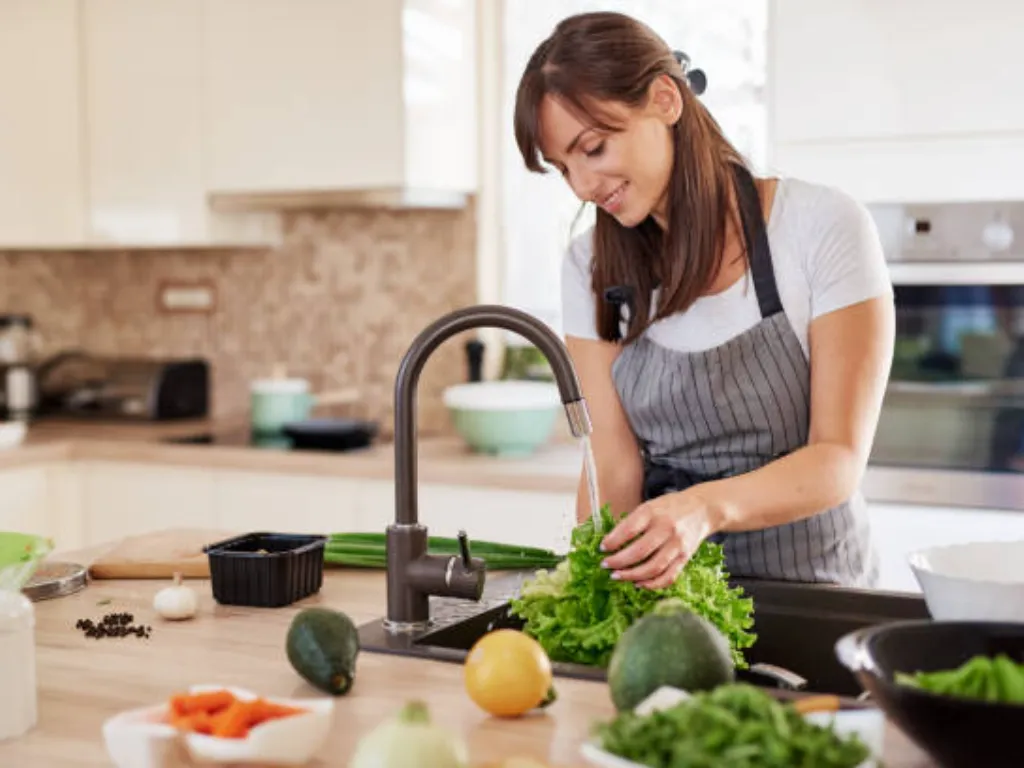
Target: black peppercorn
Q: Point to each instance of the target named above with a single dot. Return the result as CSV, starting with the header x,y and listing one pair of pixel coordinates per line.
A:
x,y
113,625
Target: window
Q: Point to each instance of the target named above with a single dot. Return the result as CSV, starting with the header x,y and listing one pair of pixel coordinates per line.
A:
x,y
725,38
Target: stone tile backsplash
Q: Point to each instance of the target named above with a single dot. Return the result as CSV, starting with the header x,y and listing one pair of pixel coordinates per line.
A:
x,y
338,303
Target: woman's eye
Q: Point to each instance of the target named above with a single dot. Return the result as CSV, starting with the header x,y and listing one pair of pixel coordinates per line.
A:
x,y
595,151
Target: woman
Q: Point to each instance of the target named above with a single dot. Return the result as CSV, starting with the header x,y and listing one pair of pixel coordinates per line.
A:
x,y
732,335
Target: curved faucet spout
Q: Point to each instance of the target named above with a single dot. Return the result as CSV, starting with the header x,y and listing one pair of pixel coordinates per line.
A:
x,y
412,573
481,316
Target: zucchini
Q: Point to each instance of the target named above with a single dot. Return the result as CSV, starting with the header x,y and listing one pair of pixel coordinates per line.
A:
x,y
322,646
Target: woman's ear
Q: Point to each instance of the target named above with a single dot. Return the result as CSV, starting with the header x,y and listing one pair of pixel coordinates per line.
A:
x,y
664,100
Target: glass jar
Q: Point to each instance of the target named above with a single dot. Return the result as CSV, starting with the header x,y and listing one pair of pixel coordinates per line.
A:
x,y
18,706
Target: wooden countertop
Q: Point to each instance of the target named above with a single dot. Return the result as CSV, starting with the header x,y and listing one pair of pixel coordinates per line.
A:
x,y
84,681
554,468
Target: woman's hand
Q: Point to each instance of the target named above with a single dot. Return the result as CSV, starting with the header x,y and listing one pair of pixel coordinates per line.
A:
x,y
667,531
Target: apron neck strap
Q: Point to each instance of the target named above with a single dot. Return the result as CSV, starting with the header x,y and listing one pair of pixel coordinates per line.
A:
x,y
755,235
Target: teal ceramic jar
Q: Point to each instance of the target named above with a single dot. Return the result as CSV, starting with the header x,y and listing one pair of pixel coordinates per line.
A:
x,y
276,402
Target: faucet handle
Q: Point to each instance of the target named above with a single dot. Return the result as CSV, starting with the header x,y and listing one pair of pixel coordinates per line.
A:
x,y
464,549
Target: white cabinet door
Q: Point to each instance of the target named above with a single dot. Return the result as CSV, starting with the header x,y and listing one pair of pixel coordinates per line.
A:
x,y
900,529
856,69
303,94
894,102
281,503
530,518
125,499
343,96
24,500
41,176
143,73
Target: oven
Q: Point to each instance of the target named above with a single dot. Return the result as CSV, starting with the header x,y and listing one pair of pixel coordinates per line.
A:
x,y
951,430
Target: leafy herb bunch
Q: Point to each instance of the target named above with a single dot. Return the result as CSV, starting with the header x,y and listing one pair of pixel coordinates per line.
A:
x,y
578,612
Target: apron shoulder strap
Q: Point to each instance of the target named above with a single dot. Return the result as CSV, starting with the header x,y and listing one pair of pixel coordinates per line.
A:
x,y
755,235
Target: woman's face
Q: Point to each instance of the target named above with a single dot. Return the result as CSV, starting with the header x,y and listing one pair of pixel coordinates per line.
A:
x,y
625,172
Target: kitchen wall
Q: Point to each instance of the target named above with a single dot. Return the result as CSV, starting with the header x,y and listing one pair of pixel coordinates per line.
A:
x,y
339,302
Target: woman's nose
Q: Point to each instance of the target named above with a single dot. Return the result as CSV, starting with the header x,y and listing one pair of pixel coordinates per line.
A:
x,y
585,185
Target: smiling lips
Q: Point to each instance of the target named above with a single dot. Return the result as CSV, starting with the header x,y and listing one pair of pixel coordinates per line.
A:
x,y
613,202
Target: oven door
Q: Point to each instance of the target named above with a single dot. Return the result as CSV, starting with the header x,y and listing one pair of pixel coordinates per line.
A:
x,y
951,430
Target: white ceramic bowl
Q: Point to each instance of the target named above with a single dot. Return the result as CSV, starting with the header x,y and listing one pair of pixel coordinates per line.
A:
x,y
868,724
976,581
12,434
138,738
507,418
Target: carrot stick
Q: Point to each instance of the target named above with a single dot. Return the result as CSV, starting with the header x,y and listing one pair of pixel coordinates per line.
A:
x,y
233,722
210,702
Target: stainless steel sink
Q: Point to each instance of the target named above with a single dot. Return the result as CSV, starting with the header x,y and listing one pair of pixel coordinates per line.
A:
x,y
797,627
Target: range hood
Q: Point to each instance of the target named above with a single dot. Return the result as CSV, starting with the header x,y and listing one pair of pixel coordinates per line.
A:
x,y
388,198
340,104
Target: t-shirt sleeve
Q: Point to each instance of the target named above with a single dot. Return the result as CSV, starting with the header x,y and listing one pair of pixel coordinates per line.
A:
x,y
845,263
577,294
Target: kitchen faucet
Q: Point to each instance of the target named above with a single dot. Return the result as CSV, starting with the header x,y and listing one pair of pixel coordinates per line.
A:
x,y
412,574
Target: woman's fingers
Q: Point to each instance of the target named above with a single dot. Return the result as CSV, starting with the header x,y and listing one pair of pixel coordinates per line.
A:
x,y
668,576
627,530
645,546
654,566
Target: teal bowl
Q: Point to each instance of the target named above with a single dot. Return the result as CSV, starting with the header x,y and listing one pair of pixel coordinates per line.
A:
x,y
504,418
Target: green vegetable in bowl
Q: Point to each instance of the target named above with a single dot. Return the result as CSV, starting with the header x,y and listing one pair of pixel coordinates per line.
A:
x,y
736,725
578,612
20,555
999,680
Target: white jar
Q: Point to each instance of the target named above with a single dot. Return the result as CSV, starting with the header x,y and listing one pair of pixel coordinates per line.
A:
x,y
17,664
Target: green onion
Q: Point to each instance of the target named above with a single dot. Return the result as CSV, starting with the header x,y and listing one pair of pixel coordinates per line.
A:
x,y
369,550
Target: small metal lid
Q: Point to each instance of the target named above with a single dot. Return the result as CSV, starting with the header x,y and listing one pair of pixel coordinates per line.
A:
x,y
55,579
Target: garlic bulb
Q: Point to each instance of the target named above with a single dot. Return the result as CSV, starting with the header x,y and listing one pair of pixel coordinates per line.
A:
x,y
176,602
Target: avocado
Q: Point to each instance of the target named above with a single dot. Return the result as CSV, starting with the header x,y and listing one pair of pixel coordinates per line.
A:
x,y
322,646
668,647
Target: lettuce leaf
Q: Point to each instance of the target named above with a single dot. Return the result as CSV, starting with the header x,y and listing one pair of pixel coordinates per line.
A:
x,y
577,612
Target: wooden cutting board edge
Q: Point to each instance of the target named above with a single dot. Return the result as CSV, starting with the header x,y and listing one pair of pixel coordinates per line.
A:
x,y
155,569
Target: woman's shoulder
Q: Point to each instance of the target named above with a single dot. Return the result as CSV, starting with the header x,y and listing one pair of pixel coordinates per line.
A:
x,y
813,209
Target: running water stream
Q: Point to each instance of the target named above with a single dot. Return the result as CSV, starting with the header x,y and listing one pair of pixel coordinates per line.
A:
x,y
591,471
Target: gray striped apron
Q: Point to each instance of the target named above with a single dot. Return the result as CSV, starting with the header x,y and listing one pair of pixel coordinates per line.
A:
x,y
733,408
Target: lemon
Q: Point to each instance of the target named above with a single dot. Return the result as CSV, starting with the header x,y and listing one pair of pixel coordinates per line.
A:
x,y
507,673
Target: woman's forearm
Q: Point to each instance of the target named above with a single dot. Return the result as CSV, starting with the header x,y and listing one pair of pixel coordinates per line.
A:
x,y
804,483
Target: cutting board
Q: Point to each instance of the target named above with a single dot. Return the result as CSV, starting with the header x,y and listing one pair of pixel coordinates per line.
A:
x,y
159,555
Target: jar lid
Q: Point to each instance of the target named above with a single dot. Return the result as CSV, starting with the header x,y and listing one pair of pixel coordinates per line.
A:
x,y
280,386
55,579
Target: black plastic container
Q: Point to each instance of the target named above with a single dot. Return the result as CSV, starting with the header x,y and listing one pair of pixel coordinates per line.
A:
x,y
268,570
955,732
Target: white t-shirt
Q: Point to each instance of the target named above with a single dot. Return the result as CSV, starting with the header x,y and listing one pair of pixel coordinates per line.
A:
x,y
825,251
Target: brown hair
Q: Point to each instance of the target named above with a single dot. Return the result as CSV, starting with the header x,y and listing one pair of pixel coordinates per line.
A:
x,y
594,57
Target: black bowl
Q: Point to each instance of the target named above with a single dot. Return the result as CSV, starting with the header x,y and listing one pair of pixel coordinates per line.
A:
x,y
331,434
955,732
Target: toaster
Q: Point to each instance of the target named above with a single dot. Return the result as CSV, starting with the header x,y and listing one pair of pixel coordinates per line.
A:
x,y
123,388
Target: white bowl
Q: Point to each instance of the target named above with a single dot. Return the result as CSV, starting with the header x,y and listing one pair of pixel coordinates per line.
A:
x,y
138,738
12,434
868,724
976,581
504,395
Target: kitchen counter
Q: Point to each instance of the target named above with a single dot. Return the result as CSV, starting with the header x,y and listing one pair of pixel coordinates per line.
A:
x,y
83,681
554,468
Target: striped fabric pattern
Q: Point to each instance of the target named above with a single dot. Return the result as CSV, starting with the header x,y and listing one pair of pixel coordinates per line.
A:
x,y
732,409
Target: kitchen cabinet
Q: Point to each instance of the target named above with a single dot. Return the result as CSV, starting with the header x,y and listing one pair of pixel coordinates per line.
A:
x,y
530,518
142,79
24,500
898,101
125,499
41,174
900,529
251,501
339,99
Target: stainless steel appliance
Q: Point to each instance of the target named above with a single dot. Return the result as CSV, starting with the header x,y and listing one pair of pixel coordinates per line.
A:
x,y
951,430
124,388
19,344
